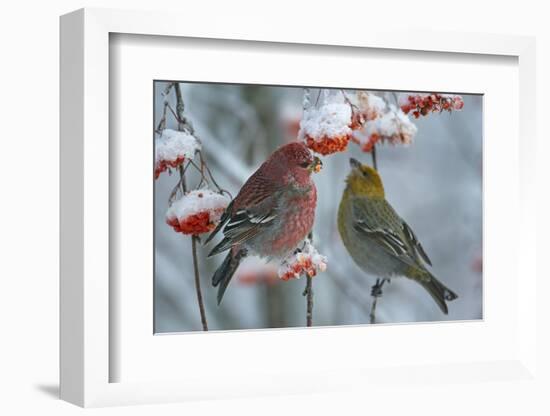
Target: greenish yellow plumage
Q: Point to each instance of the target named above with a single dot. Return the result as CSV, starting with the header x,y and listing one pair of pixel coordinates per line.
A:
x,y
378,239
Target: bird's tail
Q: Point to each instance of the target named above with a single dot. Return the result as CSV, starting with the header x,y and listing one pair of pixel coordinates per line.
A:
x,y
439,292
225,272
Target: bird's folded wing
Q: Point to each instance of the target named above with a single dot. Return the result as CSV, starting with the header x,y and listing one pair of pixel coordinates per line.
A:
x,y
413,241
383,227
252,206
223,220
245,223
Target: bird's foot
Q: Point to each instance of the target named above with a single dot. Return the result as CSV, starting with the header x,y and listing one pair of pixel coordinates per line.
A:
x,y
376,289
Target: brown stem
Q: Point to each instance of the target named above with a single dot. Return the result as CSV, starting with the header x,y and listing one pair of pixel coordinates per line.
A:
x,y
205,165
194,239
198,283
372,315
376,292
348,101
162,122
373,154
182,125
308,292
318,96
168,88
180,107
182,179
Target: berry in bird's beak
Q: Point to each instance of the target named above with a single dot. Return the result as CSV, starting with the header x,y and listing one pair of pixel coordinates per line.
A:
x,y
316,165
354,163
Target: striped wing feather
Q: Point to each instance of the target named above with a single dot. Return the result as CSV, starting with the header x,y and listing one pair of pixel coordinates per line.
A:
x,y
379,222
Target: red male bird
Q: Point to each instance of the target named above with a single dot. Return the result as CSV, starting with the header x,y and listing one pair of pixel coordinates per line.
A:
x,y
273,212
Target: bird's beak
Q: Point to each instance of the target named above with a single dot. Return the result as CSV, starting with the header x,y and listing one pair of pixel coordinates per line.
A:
x,y
316,165
354,163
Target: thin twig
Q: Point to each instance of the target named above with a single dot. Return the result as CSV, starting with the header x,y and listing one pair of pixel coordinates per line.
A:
x,y
198,283
174,114
183,124
195,260
168,88
180,107
162,122
203,162
182,183
376,292
318,96
348,101
372,314
394,94
377,288
308,292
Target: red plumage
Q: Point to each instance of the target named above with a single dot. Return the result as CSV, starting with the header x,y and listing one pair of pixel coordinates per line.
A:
x,y
273,212
275,173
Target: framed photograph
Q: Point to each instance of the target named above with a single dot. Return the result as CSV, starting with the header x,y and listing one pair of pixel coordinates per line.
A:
x,y
250,195
283,213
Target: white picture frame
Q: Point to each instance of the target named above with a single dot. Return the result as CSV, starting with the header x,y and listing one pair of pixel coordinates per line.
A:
x,y
86,305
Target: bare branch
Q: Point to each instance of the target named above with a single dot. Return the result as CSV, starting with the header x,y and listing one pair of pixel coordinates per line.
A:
x,y
198,283
373,154
308,292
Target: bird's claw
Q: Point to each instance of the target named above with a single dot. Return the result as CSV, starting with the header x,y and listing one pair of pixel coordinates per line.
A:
x,y
376,290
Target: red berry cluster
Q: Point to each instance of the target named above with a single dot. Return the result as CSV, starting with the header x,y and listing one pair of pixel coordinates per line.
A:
x,y
369,144
328,145
303,265
424,104
195,224
163,165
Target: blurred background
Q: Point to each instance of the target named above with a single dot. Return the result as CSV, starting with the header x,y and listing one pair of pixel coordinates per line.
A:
x,y
435,184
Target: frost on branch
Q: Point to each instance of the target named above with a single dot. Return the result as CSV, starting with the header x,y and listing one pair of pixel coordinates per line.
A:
x,y
367,107
172,148
424,104
305,260
393,127
197,212
326,129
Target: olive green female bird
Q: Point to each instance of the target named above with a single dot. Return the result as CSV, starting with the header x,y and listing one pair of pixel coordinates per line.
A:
x,y
378,240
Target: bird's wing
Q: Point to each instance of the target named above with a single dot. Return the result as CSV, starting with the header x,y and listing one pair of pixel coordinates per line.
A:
x,y
249,213
223,220
413,241
377,222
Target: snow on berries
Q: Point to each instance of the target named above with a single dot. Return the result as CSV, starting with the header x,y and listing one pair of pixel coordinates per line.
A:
x,y
366,107
197,211
326,129
366,118
424,104
393,127
305,260
172,148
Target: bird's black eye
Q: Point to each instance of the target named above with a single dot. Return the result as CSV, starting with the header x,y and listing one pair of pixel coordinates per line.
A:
x,y
305,164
